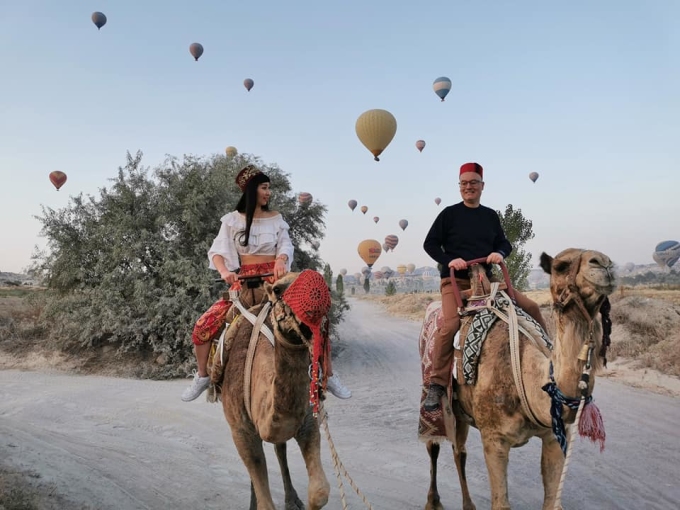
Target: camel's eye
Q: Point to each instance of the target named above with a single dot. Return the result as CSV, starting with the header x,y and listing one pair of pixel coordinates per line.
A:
x,y
277,290
560,266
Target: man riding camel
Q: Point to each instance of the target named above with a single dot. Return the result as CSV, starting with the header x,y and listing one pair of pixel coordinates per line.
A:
x,y
464,231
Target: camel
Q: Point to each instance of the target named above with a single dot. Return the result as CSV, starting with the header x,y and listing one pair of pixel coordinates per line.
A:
x,y
279,399
580,281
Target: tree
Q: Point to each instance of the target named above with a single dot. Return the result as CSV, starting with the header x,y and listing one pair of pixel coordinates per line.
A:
x,y
518,230
339,285
130,267
390,289
328,275
367,286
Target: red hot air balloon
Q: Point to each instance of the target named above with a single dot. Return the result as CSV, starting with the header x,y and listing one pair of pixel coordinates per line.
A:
x,y
248,84
352,204
420,145
305,198
196,50
57,178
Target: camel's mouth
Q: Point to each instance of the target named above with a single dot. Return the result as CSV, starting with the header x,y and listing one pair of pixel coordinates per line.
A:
x,y
603,279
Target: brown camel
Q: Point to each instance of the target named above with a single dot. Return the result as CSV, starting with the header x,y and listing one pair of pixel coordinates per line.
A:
x,y
580,281
279,400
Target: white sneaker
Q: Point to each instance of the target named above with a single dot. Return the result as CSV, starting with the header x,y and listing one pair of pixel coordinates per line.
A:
x,y
198,386
335,386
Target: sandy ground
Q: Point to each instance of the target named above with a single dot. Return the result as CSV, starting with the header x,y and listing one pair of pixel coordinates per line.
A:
x,y
110,443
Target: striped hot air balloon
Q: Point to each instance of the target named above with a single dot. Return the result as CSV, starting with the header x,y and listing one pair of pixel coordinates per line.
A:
x,y
441,86
305,198
391,241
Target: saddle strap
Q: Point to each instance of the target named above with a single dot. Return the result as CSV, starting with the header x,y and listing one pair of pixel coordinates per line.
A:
x,y
254,336
516,364
233,296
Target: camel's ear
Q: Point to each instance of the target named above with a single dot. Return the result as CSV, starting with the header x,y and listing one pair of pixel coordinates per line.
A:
x,y
546,262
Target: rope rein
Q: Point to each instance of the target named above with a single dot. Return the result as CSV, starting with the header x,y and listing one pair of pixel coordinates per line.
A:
x,y
338,466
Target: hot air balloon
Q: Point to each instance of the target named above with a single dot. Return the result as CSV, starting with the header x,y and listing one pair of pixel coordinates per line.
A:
x,y
385,247
305,198
391,241
401,269
343,272
99,19
357,276
441,86
387,272
364,209
378,275
629,266
533,176
410,267
667,253
375,129
57,178
196,50
352,204
231,151
248,84
315,245
376,219
403,224
420,145
369,251
437,200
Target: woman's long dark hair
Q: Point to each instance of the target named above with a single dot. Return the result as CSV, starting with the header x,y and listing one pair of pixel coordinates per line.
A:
x,y
247,205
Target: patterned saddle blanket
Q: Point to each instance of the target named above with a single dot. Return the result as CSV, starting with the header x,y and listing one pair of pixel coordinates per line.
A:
x,y
439,425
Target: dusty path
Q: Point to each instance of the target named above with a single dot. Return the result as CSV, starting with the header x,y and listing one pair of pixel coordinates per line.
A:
x,y
123,444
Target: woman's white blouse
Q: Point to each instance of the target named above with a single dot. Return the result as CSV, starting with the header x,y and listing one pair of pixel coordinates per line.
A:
x,y
268,236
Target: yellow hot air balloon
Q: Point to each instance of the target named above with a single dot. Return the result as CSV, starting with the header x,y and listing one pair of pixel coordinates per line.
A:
x,y
364,209
401,269
375,129
369,251
231,151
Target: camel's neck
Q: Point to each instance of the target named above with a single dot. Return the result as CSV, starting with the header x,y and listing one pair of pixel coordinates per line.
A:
x,y
290,389
572,333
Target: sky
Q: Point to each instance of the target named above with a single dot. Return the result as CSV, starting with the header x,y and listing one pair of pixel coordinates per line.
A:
x,y
584,93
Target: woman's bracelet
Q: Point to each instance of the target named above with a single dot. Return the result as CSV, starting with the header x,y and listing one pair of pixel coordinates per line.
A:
x,y
282,257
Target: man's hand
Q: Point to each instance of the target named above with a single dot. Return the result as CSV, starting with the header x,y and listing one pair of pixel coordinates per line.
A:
x,y
228,276
494,258
458,264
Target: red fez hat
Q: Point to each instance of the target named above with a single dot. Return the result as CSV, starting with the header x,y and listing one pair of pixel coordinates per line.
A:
x,y
472,167
244,176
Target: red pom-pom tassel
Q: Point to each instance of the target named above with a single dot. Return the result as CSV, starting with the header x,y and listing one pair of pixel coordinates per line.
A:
x,y
591,425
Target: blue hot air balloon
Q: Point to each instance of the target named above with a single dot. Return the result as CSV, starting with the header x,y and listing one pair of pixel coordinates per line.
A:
x,y
667,253
441,86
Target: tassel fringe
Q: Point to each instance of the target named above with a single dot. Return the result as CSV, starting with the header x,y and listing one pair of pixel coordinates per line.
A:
x,y
591,425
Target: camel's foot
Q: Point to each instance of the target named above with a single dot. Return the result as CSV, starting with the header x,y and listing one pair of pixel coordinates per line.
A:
x,y
434,504
319,498
551,506
293,502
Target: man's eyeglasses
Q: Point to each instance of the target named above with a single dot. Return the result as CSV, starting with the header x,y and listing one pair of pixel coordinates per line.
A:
x,y
474,183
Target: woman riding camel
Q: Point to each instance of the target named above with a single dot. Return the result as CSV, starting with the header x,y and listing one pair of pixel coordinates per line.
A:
x,y
252,240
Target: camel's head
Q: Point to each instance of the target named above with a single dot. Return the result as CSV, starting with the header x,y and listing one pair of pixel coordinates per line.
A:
x,y
300,303
588,273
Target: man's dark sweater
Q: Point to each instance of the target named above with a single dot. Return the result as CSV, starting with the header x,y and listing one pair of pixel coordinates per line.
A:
x,y
467,233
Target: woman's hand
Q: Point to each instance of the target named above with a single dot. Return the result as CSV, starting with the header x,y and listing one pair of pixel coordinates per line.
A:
x,y
228,276
279,268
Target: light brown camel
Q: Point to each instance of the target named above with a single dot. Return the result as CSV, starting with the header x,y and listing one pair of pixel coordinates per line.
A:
x,y
580,281
279,400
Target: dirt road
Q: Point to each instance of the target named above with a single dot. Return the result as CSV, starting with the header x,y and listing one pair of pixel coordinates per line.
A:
x,y
121,444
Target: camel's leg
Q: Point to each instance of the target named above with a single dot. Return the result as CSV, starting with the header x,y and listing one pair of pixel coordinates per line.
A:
x,y
253,498
460,457
250,450
433,502
292,500
552,461
309,439
496,453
